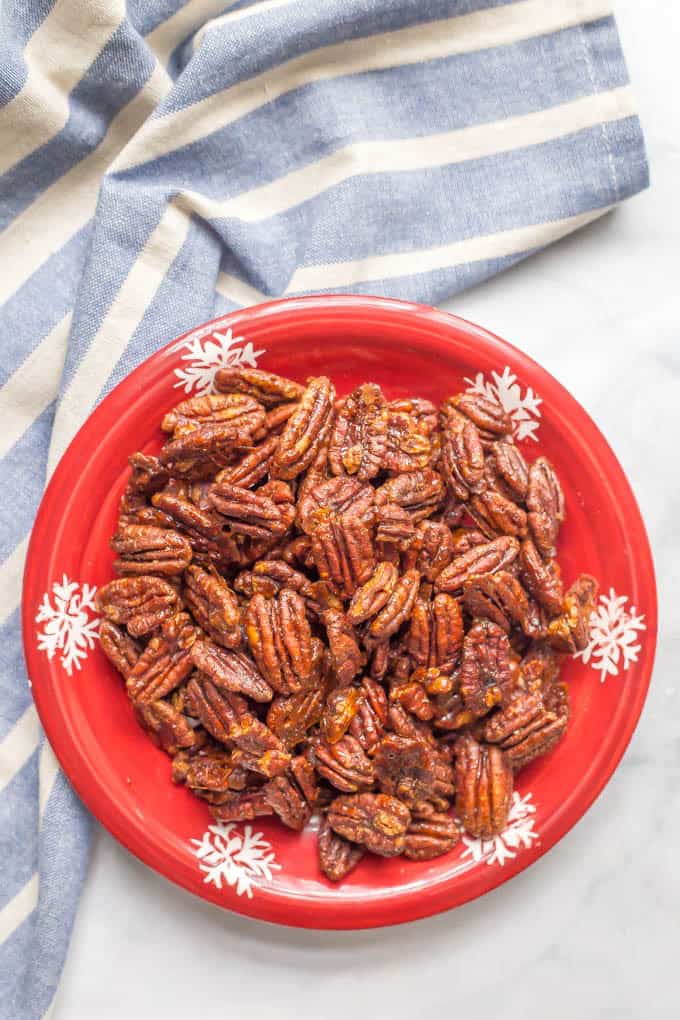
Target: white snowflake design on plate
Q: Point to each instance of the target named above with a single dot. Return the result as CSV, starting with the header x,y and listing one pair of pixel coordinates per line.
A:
x,y
208,350
614,631
522,408
237,859
519,832
69,627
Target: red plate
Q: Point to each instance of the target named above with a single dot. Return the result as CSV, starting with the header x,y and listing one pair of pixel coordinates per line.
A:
x,y
265,870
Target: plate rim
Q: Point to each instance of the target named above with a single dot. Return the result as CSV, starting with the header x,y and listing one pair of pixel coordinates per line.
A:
x,y
288,909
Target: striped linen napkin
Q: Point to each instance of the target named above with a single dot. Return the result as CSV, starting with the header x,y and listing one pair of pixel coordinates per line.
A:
x,y
165,161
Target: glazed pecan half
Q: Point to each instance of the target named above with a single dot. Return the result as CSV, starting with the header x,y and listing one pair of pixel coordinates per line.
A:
x,y
430,833
374,594
306,430
165,661
347,658
368,725
290,718
344,764
230,671
252,513
419,492
119,648
343,552
280,639
462,460
545,502
168,728
213,605
571,630
484,558
337,857
140,603
405,768
483,787
323,498
374,820
530,724
265,387
488,669
143,549
359,437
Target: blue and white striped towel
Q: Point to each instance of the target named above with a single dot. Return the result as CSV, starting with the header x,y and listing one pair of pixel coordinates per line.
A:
x,y
165,161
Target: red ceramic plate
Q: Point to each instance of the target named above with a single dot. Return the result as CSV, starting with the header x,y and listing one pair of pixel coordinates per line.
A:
x,y
263,869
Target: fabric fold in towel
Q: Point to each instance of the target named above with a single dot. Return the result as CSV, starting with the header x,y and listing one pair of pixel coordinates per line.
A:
x,y
165,161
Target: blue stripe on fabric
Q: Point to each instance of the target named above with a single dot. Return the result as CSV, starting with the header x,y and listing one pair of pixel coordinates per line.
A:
x,y
31,959
425,208
15,694
125,221
23,477
232,53
185,297
96,99
18,22
149,14
18,815
36,307
270,142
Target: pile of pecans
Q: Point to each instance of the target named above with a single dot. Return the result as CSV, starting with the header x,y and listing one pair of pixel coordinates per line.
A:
x,y
349,607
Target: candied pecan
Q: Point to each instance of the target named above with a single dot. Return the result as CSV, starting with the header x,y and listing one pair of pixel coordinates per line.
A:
x,y
230,671
293,795
148,475
372,596
436,632
268,577
540,666
530,724
341,706
498,597
267,388
337,857
407,445
485,558
394,527
243,807
248,513
344,764
419,492
213,605
507,471
462,460
291,717
306,430
241,413
343,552
202,528
570,631
483,787
165,661
274,421
226,717
380,659
486,412
252,468
168,728
148,550
397,608
545,503
118,647
431,550
140,603
375,820
368,725
430,833
497,515
542,578
281,641
405,768
413,697
488,669
334,496
209,772
358,441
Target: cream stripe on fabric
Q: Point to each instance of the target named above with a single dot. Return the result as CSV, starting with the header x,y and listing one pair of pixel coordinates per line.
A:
x,y
238,290
233,16
491,246
67,205
18,746
57,56
18,909
166,36
11,574
122,318
33,386
463,34
407,154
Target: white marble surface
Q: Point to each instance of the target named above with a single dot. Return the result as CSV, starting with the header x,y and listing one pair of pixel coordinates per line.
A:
x,y
592,929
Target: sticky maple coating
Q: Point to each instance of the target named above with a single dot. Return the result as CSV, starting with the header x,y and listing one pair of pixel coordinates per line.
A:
x,y
351,608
